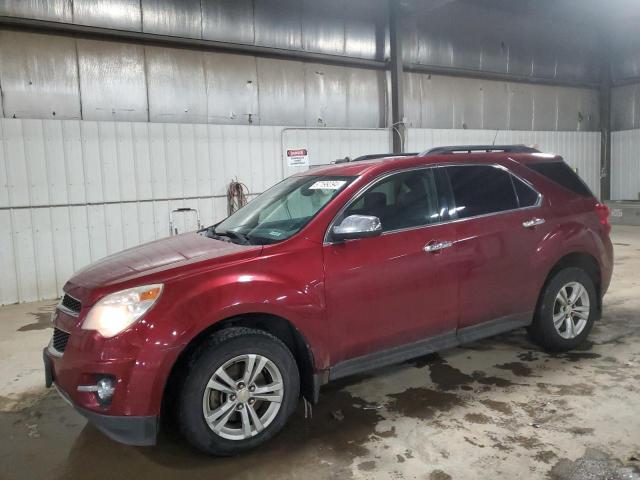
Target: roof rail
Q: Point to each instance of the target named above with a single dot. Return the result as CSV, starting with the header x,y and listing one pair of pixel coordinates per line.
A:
x,y
373,156
480,148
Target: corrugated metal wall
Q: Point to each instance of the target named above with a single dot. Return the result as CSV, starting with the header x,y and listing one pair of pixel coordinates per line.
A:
x,y
46,76
434,101
74,191
625,165
327,145
463,35
625,107
579,149
470,36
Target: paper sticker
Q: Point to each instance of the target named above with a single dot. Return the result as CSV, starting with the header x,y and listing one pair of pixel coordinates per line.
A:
x,y
298,157
327,185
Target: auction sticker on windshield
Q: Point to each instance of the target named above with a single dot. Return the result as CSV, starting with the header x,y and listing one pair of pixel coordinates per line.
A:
x,y
327,185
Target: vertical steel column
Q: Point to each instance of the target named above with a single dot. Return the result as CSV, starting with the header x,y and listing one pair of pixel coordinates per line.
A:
x,y
604,98
397,101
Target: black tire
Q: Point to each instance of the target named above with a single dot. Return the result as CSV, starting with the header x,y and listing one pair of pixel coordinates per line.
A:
x,y
542,330
219,349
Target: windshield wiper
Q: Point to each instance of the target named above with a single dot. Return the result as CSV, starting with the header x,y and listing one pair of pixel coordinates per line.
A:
x,y
234,234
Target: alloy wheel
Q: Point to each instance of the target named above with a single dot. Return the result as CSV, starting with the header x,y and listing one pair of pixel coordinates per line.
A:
x,y
243,397
571,310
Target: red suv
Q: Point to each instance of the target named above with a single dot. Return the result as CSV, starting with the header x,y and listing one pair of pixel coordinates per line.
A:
x,y
329,273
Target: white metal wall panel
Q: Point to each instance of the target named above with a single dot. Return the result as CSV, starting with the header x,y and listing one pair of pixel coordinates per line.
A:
x,y
74,191
579,149
625,165
325,145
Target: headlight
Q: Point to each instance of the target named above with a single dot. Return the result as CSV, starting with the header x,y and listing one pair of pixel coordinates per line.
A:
x,y
115,312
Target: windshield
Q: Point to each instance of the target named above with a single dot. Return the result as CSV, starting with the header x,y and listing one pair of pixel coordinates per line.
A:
x,y
281,211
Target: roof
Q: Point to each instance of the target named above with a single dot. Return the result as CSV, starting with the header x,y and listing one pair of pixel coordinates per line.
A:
x,y
381,165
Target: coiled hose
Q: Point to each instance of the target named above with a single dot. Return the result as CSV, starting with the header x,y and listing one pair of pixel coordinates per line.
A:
x,y
236,196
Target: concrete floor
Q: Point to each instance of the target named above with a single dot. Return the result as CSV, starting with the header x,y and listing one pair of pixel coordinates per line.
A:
x,y
499,408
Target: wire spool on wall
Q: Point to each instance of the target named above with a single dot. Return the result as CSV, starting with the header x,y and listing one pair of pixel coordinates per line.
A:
x,y
236,196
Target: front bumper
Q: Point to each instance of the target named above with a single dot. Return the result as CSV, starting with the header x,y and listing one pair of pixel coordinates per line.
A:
x,y
130,430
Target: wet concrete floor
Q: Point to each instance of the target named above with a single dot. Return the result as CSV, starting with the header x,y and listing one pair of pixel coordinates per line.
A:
x,y
498,408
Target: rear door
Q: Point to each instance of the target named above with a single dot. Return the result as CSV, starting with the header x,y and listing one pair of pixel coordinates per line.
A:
x,y
496,237
387,291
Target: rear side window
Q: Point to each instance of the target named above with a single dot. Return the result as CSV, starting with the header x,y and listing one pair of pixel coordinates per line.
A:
x,y
562,174
481,189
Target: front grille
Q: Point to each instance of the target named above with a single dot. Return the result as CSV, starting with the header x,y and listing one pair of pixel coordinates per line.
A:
x,y
60,339
71,304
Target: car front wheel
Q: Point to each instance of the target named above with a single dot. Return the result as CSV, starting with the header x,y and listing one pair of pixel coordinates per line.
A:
x,y
240,389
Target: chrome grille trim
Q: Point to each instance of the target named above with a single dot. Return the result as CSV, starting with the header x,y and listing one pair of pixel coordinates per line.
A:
x,y
70,305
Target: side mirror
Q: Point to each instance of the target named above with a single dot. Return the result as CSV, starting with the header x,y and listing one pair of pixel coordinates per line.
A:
x,y
357,226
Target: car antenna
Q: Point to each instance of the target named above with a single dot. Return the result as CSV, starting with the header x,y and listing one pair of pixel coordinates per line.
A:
x,y
495,137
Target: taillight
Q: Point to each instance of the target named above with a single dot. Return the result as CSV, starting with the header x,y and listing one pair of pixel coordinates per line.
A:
x,y
603,213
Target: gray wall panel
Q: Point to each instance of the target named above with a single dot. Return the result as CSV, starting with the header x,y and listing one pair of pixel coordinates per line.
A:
x,y
365,101
467,108
495,105
568,107
55,10
39,76
413,99
362,19
625,107
278,23
545,108
112,81
326,89
119,14
323,26
176,84
282,99
520,107
437,105
228,20
435,101
625,50
232,89
180,18
468,36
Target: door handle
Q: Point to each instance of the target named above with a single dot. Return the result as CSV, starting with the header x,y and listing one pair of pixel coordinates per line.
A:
x,y
534,222
437,246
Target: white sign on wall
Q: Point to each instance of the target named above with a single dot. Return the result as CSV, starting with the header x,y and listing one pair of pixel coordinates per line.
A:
x,y
298,157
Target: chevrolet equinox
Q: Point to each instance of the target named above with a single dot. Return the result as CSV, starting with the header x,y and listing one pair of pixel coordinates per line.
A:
x,y
331,272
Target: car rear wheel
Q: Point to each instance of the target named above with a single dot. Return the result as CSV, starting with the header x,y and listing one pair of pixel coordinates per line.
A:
x,y
566,311
241,388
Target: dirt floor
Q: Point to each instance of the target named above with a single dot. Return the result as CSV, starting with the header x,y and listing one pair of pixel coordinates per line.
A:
x,y
498,408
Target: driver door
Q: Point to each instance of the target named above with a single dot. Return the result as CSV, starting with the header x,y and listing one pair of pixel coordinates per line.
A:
x,y
388,291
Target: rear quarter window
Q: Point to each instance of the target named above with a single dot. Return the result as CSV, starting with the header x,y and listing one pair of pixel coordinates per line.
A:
x,y
562,174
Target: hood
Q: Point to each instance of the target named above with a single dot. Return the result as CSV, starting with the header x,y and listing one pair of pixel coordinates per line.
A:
x,y
151,257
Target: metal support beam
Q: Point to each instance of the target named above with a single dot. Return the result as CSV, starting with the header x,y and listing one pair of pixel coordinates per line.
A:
x,y
501,77
100,33
397,100
620,82
604,99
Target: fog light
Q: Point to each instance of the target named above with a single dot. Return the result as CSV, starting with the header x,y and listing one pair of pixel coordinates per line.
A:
x,y
103,388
